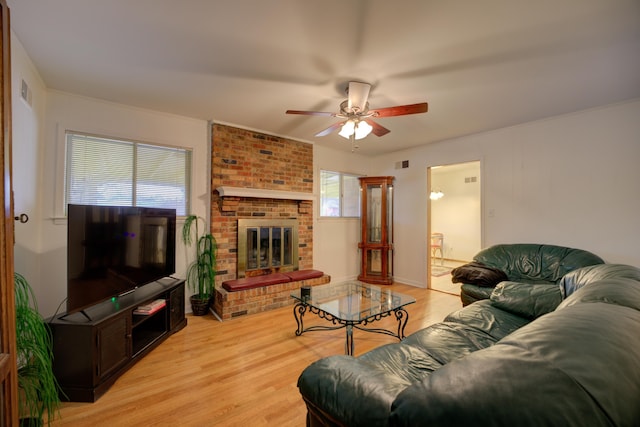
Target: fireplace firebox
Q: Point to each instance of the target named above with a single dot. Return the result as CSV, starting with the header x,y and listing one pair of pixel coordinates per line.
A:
x,y
267,246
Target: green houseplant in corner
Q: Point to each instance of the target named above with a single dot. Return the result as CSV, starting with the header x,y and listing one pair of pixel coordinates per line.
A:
x,y
38,390
201,272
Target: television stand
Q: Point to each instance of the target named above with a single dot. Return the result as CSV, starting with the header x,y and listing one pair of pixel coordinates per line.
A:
x,y
84,313
89,356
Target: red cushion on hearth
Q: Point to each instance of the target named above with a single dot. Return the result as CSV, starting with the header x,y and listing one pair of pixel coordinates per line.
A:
x,y
255,282
304,274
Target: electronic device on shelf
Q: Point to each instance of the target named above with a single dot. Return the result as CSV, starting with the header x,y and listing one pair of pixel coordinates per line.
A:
x,y
112,250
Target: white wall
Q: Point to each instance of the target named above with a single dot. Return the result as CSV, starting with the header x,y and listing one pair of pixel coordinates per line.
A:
x,y
569,180
335,240
38,158
70,112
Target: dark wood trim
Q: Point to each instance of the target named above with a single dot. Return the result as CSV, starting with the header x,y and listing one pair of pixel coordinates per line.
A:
x,y
8,369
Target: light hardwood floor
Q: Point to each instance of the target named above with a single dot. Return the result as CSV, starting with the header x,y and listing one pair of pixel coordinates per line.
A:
x,y
240,372
444,283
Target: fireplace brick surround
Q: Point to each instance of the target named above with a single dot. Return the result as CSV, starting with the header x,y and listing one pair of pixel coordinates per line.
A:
x,y
248,159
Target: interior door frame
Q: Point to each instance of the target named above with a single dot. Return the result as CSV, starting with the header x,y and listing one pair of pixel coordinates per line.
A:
x,y
8,364
429,227
428,236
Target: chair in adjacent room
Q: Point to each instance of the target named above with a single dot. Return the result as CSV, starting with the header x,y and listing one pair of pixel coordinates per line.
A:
x,y
437,244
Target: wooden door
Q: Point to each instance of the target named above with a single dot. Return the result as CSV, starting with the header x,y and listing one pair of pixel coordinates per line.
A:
x,y
8,374
113,345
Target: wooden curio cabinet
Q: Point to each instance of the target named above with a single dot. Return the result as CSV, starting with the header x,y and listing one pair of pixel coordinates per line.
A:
x,y
376,242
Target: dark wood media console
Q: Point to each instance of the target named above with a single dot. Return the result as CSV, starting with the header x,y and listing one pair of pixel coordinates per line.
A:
x,y
93,348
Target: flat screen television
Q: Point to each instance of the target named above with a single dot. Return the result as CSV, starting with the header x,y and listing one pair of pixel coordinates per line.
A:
x,y
112,250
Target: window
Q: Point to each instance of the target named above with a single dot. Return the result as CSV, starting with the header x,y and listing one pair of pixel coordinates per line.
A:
x,y
104,171
339,194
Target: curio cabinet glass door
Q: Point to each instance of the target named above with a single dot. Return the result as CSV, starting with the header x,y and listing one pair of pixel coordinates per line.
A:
x,y
376,243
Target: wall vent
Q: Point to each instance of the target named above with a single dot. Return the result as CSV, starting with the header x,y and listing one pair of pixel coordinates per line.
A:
x,y
402,164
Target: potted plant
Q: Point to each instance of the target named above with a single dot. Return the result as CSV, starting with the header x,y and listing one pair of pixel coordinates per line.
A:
x,y
201,272
37,386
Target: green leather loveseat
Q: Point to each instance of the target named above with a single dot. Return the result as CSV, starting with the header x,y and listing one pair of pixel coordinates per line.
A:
x,y
530,355
519,262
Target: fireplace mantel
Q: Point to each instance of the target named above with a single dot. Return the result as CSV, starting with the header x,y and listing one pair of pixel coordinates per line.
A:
x,y
226,191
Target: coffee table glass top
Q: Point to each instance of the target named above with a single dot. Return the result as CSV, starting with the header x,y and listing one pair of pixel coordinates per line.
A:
x,y
354,301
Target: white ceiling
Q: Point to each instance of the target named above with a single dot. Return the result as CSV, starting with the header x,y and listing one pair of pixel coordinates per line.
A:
x,y
480,65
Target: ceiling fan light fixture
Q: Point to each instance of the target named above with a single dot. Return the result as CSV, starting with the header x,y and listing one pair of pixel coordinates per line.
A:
x,y
348,129
363,129
358,129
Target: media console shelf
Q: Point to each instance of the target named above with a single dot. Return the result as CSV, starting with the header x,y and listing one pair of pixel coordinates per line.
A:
x,y
92,349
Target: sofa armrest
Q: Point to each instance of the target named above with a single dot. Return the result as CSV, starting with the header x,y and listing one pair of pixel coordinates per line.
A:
x,y
471,293
576,279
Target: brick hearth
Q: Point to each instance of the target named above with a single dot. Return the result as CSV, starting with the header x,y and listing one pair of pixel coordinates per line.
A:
x,y
233,304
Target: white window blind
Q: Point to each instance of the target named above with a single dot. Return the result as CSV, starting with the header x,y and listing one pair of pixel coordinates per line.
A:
x,y
350,195
339,194
104,171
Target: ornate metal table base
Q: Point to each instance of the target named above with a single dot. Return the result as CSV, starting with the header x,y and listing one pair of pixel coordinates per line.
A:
x,y
301,308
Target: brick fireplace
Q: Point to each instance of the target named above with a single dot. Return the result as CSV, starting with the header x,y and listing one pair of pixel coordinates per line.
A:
x,y
259,176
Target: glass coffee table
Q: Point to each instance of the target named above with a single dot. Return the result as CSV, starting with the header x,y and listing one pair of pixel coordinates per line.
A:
x,y
351,305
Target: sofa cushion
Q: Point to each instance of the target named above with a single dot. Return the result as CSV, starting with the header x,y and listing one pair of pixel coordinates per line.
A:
x,y
575,279
255,282
477,273
303,274
526,299
491,320
447,341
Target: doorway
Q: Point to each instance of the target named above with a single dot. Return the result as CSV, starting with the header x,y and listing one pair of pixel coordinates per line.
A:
x,y
454,226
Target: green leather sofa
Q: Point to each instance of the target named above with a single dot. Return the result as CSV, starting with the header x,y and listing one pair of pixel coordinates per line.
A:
x,y
522,263
530,355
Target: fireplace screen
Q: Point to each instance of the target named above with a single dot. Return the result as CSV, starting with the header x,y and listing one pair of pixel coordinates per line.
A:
x,y
267,245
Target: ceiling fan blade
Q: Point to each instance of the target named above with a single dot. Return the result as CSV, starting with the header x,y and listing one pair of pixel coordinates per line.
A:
x,y
377,130
358,94
311,113
400,110
330,129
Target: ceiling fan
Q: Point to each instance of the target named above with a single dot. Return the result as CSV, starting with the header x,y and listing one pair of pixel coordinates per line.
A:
x,y
355,110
